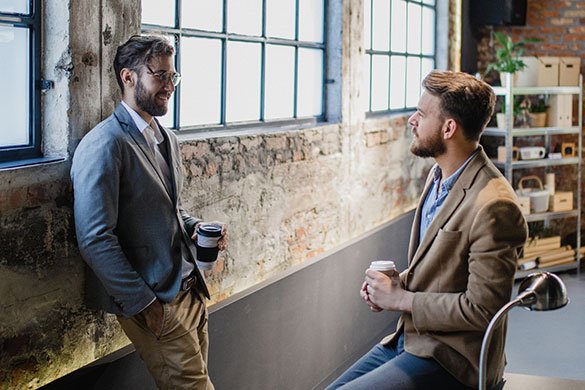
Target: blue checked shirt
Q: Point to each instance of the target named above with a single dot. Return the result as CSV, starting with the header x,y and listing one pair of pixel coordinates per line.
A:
x,y
435,199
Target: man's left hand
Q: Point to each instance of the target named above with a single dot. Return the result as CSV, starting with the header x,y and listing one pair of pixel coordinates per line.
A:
x,y
222,242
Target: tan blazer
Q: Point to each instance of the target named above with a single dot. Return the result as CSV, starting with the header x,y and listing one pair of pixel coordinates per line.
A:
x,y
462,272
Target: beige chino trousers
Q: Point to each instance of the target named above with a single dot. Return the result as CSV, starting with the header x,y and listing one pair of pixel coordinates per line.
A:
x,y
177,359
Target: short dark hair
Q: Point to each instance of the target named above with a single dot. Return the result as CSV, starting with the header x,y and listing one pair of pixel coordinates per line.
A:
x,y
138,51
463,97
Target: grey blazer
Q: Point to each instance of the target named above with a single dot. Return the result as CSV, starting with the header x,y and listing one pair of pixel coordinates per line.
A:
x,y
129,225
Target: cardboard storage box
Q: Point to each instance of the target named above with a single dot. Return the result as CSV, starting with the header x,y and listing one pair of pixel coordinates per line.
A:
x,y
548,72
502,153
524,202
569,71
561,201
527,77
560,112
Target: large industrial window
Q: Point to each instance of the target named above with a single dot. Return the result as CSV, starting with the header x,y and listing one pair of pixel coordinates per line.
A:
x,y
243,62
19,79
400,51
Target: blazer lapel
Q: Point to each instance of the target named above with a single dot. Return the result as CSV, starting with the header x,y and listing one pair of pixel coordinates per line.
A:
x,y
172,160
454,199
415,230
128,124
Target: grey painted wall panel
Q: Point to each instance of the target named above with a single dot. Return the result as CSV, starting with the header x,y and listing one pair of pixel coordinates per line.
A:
x,y
303,330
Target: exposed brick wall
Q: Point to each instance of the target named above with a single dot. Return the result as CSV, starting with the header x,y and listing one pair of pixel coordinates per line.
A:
x,y
560,25
293,195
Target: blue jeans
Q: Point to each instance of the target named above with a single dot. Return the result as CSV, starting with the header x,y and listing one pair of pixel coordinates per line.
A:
x,y
391,367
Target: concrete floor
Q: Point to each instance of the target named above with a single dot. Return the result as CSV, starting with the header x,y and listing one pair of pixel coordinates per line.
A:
x,y
550,344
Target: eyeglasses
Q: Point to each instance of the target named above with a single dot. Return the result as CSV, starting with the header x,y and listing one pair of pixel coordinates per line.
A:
x,y
165,77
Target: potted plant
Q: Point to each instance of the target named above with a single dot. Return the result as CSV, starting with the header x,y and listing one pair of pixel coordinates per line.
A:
x,y
508,55
519,114
537,112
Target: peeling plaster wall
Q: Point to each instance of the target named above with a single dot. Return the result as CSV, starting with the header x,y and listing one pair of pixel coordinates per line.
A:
x,y
287,195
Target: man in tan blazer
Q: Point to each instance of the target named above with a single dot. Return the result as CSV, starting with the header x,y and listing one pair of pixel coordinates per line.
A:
x,y
466,236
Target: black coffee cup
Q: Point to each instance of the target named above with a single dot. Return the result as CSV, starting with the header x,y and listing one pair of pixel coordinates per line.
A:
x,y
207,236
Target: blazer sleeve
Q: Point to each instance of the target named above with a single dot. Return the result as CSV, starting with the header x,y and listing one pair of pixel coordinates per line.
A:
x,y
95,173
497,234
189,221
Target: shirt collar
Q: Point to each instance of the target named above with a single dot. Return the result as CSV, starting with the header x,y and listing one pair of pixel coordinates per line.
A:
x,y
141,124
449,182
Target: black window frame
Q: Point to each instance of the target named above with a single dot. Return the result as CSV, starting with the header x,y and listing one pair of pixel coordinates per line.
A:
x,y
177,32
371,52
17,155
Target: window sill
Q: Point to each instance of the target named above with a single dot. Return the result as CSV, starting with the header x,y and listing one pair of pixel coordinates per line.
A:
x,y
390,114
8,165
251,130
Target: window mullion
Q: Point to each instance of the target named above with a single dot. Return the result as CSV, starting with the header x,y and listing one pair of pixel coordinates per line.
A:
x,y
389,56
224,65
263,65
406,59
296,68
325,77
178,40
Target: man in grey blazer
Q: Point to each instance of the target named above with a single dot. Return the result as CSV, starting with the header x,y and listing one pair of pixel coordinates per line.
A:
x,y
131,228
466,236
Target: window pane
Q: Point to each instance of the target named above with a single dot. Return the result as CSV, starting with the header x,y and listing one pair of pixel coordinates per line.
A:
x,y
169,118
397,82
14,78
426,67
379,83
414,16
203,15
243,81
310,83
280,95
311,20
201,81
368,24
244,17
280,18
381,25
161,12
412,81
15,6
431,2
398,26
428,33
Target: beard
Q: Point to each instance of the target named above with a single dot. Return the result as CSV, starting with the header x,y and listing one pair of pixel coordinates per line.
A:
x,y
433,147
147,102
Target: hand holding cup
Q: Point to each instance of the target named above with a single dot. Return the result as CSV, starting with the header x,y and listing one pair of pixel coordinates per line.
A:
x,y
388,268
210,238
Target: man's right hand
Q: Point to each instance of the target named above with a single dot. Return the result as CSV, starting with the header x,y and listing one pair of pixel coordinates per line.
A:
x,y
154,315
366,297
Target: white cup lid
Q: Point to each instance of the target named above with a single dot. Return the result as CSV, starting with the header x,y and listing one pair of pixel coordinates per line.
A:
x,y
383,265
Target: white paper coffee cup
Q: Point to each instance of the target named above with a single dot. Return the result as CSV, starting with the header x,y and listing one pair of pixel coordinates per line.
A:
x,y
385,266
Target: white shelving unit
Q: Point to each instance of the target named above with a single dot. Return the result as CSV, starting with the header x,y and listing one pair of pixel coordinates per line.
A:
x,y
509,166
